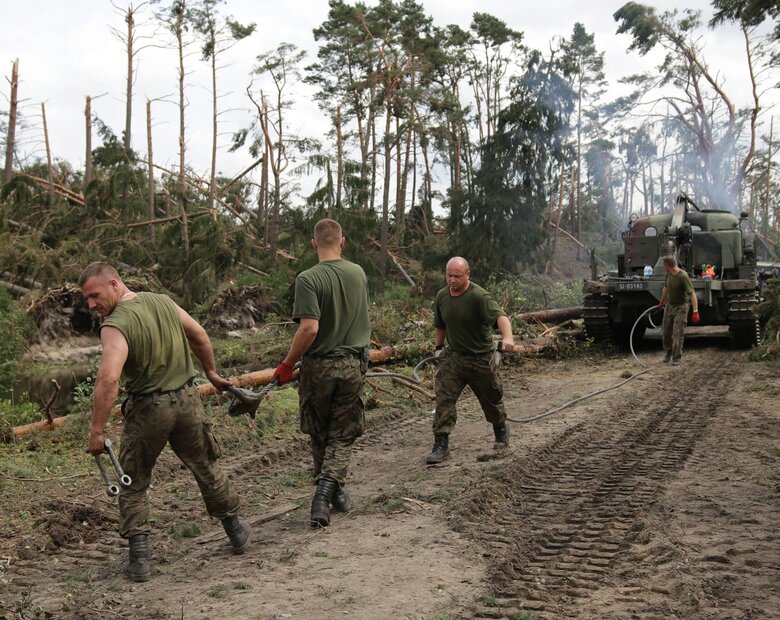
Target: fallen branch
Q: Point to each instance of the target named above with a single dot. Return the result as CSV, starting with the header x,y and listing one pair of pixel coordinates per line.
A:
x,y
14,289
4,475
163,220
568,234
256,520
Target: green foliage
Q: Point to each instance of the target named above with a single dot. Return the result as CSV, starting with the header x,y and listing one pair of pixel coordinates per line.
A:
x,y
17,414
768,312
504,214
525,293
185,529
15,329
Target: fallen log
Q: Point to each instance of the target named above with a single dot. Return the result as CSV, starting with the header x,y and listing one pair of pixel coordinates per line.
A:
x,y
14,289
557,315
531,346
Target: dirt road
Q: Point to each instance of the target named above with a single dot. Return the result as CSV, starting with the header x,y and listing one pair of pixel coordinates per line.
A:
x,y
661,499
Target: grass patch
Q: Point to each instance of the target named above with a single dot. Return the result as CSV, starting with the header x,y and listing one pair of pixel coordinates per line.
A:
x,y
242,586
489,600
219,592
392,504
185,529
524,615
288,556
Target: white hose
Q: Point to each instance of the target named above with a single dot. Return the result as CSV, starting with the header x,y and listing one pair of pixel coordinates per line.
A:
x,y
602,390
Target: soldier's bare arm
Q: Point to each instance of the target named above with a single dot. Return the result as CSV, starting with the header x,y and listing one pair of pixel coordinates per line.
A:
x,y
303,339
505,327
106,384
201,347
441,336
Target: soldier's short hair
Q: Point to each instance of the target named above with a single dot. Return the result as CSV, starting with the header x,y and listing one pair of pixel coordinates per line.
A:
x,y
327,233
670,261
98,269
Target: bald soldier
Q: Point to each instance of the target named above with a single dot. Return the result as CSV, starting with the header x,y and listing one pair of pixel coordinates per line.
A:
x,y
464,317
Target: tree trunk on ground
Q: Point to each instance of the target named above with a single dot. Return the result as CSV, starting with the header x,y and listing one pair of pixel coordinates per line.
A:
x,y
558,315
10,142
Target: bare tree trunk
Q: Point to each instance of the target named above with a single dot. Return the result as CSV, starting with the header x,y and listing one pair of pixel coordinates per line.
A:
x,y
372,198
185,229
49,167
384,232
130,20
398,175
579,163
768,182
10,141
339,158
150,169
213,178
264,191
557,220
88,153
405,180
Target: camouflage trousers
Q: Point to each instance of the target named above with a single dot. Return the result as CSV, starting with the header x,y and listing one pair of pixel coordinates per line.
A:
x,y
480,373
177,418
331,404
675,320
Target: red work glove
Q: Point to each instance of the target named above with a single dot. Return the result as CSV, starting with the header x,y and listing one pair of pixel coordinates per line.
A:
x,y
284,373
695,318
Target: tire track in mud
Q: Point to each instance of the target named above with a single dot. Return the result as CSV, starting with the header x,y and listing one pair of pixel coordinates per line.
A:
x,y
556,521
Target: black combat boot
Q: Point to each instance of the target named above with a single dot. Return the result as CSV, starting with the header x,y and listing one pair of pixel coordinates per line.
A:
x,y
320,505
341,500
667,357
138,566
238,532
501,431
441,449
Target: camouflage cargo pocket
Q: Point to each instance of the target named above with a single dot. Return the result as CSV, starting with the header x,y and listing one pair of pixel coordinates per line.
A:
x,y
212,443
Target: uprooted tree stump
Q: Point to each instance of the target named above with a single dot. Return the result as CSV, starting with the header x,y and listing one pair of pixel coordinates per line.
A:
x,y
243,307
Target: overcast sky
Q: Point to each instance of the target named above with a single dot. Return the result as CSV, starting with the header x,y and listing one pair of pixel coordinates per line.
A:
x,y
66,51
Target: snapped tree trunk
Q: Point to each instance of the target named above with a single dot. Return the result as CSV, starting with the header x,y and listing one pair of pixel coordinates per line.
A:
x,y
10,142
150,168
385,228
88,153
49,167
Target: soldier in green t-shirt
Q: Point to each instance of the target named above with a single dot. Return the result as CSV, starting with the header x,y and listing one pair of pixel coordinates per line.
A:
x,y
678,289
331,307
465,315
146,340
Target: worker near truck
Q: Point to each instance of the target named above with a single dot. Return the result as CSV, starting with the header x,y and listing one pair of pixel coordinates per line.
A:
x,y
678,290
465,316
331,308
146,340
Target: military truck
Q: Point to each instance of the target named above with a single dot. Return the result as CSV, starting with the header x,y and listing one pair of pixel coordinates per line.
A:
x,y
697,237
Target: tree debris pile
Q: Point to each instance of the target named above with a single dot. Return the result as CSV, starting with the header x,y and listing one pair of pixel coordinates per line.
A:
x,y
243,307
62,312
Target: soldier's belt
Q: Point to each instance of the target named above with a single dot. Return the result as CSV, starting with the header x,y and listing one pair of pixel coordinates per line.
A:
x,y
158,393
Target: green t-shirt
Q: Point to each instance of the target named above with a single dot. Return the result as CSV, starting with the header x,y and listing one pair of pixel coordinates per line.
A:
x,y
335,292
158,357
468,318
678,288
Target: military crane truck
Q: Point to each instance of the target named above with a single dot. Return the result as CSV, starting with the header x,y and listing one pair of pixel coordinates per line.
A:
x,y
697,237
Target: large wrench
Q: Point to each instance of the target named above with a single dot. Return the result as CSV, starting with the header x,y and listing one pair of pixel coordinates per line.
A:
x,y
112,490
124,479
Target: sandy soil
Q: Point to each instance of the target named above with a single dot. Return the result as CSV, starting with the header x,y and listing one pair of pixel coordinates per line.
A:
x,y
660,499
